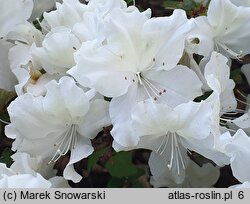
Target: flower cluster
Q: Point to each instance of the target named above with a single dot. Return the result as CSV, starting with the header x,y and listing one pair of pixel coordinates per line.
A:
x,y
162,83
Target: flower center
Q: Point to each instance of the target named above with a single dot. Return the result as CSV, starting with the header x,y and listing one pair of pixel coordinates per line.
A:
x,y
65,143
228,50
173,146
152,90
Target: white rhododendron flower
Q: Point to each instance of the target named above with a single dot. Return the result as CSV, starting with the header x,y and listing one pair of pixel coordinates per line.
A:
x,y
92,78
225,28
69,126
175,133
28,172
56,53
132,60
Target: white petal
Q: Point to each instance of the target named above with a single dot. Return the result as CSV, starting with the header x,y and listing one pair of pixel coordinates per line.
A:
x,y
233,26
13,12
243,121
181,84
217,72
146,120
95,119
239,152
82,150
120,113
167,35
195,119
100,69
63,92
24,181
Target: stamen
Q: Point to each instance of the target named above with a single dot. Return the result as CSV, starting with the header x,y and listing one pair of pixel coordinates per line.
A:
x,y
176,153
245,97
231,52
245,103
66,142
4,122
152,88
240,110
226,120
152,85
43,27
165,146
162,142
172,154
182,162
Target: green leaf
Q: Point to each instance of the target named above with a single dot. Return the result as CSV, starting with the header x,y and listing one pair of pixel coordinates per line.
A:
x,y
116,182
171,4
93,158
120,165
6,156
138,174
236,75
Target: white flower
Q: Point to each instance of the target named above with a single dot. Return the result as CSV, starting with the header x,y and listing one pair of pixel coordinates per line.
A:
x,y
13,12
63,120
172,131
29,172
225,28
195,176
137,61
25,66
56,54
9,179
66,14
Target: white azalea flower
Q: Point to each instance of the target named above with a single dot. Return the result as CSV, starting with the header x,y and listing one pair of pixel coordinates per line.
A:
x,y
9,179
66,14
25,66
13,12
28,172
195,176
172,131
138,57
60,128
230,34
56,54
